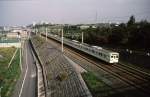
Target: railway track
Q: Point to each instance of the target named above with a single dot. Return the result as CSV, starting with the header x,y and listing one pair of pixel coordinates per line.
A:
x,y
132,76
134,72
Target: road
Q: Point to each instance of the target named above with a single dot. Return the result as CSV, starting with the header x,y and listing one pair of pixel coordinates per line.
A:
x,y
26,85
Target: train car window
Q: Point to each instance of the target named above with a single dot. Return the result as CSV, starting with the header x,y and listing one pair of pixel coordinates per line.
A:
x,y
96,52
100,54
116,56
107,57
104,56
93,51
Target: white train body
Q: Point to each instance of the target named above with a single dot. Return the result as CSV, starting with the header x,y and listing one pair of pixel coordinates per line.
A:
x,y
98,52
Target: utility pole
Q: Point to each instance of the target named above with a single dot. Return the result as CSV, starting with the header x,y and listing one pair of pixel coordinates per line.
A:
x,y
62,36
46,33
36,30
96,17
40,34
0,91
82,38
20,55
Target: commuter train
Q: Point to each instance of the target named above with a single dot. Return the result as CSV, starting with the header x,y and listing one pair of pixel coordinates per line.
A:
x,y
98,52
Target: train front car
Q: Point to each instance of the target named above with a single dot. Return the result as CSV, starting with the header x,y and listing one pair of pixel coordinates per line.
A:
x,y
114,57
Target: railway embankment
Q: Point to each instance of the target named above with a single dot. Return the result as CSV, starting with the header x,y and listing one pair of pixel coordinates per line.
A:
x,y
61,77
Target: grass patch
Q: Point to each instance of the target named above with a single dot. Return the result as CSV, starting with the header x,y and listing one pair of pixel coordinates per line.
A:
x,y
38,40
11,75
97,87
6,55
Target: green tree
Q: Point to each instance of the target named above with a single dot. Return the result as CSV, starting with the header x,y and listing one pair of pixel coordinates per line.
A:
x,y
140,35
131,21
119,35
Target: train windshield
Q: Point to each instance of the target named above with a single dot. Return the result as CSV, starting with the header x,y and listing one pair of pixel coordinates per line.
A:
x,y
114,56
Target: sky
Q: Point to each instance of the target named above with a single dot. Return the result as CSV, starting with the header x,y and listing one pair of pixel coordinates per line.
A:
x,y
24,12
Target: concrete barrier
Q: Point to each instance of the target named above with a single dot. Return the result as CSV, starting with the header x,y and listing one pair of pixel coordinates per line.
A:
x,y
41,77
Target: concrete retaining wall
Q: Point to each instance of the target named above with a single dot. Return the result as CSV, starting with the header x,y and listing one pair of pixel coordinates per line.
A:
x,y
40,74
